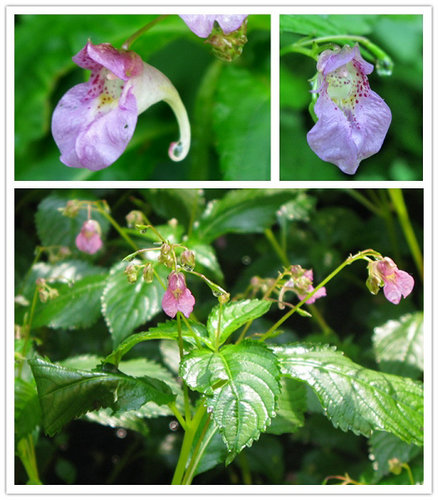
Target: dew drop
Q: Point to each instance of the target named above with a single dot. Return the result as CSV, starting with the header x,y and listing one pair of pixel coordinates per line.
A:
x,y
384,67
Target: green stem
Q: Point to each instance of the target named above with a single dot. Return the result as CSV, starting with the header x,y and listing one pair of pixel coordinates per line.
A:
x,y
26,452
354,193
349,260
141,31
411,477
200,447
181,355
187,444
318,317
294,48
398,201
188,325
118,228
178,415
277,248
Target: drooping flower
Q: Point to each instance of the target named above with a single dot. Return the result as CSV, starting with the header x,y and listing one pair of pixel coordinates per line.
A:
x,y
352,119
88,240
226,34
385,273
301,282
177,297
94,121
202,25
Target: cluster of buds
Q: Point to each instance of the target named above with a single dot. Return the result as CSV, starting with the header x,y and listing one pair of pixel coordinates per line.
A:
x,y
301,283
133,270
45,292
71,209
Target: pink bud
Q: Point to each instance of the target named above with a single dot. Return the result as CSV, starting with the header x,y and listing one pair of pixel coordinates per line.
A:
x,y
88,240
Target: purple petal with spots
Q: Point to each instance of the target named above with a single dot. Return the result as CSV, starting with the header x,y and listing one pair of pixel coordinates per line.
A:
x,y
202,25
352,119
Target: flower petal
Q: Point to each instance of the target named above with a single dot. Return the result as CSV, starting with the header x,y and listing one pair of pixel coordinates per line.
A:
x,y
331,136
186,302
169,303
202,25
405,282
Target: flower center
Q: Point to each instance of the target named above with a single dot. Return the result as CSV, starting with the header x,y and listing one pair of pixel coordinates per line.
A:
x,y
342,82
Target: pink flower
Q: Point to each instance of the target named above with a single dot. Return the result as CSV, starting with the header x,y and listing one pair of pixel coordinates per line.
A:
x,y
352,119
301,283
202,25
94,121
395,283
177,296
88,240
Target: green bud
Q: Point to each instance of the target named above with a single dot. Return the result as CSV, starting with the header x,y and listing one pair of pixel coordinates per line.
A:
x,y
188,260
131,271
134,218
148,273
224,298
71,209
227,47
43,295
395,466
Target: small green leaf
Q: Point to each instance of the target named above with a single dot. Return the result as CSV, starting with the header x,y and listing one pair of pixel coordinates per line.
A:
x,y
125,306
356,398
77,305
241,383
66,393
241,122
399,346
168,330
229,317
241,211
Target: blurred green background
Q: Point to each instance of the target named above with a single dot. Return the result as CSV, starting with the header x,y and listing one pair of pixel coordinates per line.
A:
x,y
401,155
228,103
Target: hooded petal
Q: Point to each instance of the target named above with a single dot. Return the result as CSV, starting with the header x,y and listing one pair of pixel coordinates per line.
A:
x,y
186,302
202,25
169,303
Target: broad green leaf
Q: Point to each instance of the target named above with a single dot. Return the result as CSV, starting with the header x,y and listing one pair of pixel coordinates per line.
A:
x,y
292,403
241,122
27,408
320,25
356,398
125,306
399,345
77,305
168,330
241,383
182,204
206,260
384,447
53,228
66,393
241,211
231,316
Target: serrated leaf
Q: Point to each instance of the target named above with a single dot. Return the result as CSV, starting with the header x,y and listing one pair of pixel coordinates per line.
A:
x,y
27,409
77,305
384,447
66,393
356,398
53,228
231,316
168,330
241,383
125,306
241,122
241,211
291,405
399,346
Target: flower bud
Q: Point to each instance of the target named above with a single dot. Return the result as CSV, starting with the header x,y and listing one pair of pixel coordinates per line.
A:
x,y
88,240
148,273
71,209
134,218
188,260
131,271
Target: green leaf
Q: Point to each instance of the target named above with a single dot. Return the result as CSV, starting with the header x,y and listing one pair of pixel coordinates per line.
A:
x,y
241,121
322,25
125,306
356,398
241,211
53,228
231,316
66,393
206,260
168,330
77,305
241,383
399,345
27,409
292,404
384,447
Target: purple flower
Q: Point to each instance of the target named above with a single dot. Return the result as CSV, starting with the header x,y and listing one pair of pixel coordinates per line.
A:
x,y
352,119
395,283
94,121
202,25
177,296
88,240
301,283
